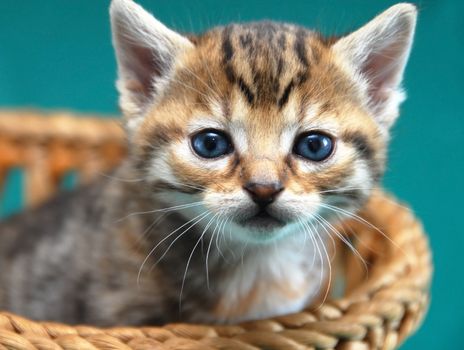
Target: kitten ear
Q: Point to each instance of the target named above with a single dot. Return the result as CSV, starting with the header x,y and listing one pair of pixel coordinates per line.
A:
x,y
378,52
146,51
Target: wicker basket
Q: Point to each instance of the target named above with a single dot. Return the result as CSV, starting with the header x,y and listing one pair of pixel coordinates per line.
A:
x,y
380,308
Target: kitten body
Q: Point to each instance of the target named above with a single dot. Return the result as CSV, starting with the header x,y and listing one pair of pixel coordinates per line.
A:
x,y
247,144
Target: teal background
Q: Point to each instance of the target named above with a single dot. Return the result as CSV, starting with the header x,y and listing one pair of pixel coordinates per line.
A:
x,y
56,54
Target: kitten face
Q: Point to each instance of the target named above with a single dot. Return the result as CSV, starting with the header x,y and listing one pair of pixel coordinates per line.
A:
x,y
267,125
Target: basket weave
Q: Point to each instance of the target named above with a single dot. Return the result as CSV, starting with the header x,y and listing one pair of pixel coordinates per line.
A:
x,y
382,304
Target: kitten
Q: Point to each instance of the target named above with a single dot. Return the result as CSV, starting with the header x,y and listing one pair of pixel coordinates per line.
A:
x,y
247,143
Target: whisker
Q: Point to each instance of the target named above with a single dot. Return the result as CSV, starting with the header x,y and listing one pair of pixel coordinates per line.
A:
x,y
315,217
223,237
243,253
316,245
348,188
202,215
177,238
148,229
209,247
344,240
191,88
330,271
346,225
162,210
186,269
213,92
112,177
195,187
308,234
304,234
363,221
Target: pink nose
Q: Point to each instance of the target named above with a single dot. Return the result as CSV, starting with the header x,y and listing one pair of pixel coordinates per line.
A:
x,y
263,193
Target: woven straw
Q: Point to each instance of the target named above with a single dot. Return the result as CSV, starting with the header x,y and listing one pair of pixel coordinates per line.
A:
x,y
49,147
383,302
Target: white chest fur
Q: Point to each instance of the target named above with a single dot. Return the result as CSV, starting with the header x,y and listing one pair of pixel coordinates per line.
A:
x,y
275,279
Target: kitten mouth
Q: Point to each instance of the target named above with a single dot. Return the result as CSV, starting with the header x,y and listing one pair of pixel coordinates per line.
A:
x,y
263,220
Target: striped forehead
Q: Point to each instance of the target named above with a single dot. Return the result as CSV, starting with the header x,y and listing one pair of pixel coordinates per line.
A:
x,y
266,61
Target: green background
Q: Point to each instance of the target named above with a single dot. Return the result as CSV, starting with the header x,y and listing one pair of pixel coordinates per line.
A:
x,y
56,54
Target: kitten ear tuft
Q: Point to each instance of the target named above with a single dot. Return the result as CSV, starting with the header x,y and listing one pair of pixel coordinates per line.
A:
x,y
378,52
146,51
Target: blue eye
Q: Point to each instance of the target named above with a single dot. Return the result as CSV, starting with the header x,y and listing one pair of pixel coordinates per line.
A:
x,y
211,144
314,146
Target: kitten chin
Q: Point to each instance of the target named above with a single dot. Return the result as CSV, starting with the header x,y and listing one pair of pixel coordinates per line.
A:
x,y
262,221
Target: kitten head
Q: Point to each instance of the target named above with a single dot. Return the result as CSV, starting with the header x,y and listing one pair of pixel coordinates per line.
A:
x,y
265,124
